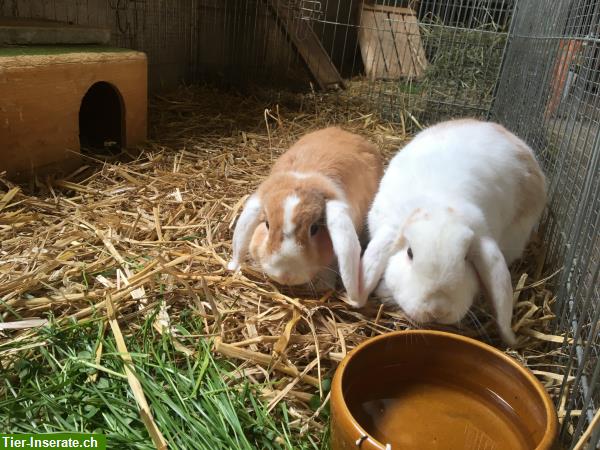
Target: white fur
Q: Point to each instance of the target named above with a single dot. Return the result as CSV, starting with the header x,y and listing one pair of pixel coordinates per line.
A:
x,y
474,169
285,265
377,253
247,222
302,175
491,266
289,205
345,245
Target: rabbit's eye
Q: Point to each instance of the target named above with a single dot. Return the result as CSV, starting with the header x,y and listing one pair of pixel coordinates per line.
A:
x,y
409,253
267,224
313,229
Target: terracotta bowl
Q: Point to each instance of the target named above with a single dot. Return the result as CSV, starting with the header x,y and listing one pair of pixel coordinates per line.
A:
x,y
435,390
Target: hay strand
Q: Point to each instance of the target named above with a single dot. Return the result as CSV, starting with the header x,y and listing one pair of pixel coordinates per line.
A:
x,y
134,383
154,232
588,432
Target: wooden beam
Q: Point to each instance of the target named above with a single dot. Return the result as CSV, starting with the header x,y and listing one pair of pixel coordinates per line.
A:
x,y
308,45
389,9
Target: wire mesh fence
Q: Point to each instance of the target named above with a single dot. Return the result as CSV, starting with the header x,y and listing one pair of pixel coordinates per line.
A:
x,y
545,81
548,94
166,31
429,59
426,60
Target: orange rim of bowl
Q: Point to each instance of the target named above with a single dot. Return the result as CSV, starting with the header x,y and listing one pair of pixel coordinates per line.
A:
x,y
551,421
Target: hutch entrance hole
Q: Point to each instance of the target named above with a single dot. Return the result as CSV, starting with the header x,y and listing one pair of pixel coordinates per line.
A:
x,y
101,122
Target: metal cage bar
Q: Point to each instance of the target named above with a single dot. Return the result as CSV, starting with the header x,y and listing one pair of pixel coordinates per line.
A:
x,y
548,93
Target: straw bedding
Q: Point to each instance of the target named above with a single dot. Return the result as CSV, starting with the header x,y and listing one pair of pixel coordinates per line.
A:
x,y
153,231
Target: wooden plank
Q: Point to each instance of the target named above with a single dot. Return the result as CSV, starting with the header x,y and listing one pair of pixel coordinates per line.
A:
x,y
402,46
370,46
81,12
390,43
309,47
417,52
391,60
49,32
388,9
401,38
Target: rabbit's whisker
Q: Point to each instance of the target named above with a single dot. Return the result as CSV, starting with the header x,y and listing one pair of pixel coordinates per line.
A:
x,y
478,325
328,268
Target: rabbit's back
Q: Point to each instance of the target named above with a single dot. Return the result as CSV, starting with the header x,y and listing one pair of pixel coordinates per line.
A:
x,y
464,162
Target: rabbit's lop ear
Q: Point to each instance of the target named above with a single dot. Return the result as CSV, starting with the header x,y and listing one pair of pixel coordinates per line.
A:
x,y
375,259
244,229
346,246
493,272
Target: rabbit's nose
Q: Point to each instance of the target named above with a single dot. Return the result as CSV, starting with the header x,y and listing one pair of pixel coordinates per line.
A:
x,y
425,317
436,312
285,279
279,276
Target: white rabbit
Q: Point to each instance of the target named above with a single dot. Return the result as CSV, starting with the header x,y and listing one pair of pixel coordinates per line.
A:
x,y
454,208
311,209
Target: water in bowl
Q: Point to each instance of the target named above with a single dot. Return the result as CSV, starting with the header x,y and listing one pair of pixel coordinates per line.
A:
x,y
434,414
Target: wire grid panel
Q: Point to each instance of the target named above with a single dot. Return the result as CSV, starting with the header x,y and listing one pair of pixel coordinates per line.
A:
x,y
187,41
306,9
164,30
549,93
430,59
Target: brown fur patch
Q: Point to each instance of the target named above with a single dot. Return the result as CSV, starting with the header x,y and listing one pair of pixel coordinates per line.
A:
x,y
532,185
414,216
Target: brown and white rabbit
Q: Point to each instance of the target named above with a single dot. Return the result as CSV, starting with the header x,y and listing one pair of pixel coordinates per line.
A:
x,y
454,208
308,213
